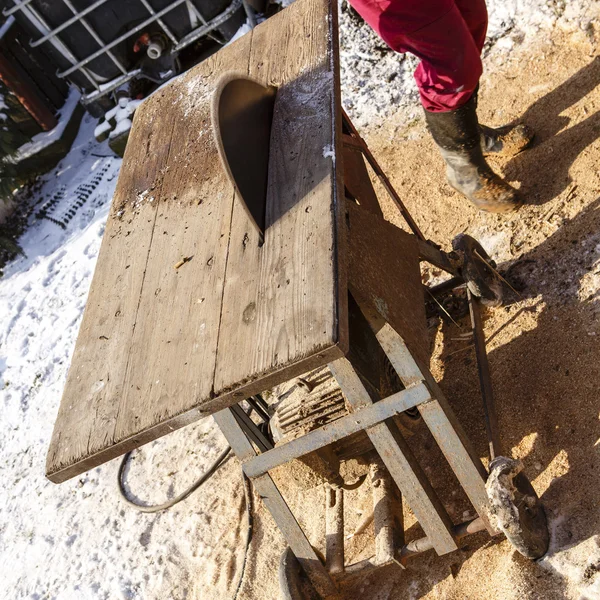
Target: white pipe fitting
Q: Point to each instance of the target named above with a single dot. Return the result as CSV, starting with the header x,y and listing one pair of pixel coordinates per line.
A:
x,y
155,50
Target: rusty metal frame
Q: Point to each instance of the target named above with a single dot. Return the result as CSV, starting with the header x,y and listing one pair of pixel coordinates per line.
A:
x,y
351,137
277,506
399,461
432,253
328,434
437,414
395,457
485,379
375,418
27,94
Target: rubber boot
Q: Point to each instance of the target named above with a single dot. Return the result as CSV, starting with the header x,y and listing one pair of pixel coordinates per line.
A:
x,y
506,141
458,136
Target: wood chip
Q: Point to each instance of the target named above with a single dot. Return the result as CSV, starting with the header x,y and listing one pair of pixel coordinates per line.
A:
x,y
182,262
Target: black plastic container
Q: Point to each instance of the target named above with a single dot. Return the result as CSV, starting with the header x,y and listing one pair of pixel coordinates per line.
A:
x,y
110,21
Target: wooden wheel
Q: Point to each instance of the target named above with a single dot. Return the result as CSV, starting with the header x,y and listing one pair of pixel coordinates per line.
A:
x,y
518,510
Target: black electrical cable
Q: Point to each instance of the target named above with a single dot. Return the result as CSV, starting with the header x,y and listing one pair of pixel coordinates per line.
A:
x,y
215,466
158,507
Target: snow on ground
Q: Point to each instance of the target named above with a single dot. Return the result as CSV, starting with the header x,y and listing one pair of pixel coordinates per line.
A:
x,y
45,138
118,119
64,541
78,540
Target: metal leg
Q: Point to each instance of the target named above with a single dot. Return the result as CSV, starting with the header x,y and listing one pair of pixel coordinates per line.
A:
x,y
250,429
277,506
322,437
387,537
485,381
334,529
428,252
400,462
397,464
438,416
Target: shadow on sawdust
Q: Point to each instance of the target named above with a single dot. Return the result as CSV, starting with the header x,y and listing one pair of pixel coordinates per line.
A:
x,y
544,168
546,380
546,385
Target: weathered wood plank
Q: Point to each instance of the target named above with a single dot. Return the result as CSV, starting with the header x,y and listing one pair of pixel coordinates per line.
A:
x,y
173,349
281,303
384,273
112,402
146,360
86,418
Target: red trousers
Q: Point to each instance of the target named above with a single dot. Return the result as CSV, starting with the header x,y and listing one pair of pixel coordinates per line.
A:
x,y
447,35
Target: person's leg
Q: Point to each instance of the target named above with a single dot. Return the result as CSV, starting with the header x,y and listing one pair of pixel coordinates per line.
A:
x,y
447,77
459,139
434,31
450,67
508,140
475,15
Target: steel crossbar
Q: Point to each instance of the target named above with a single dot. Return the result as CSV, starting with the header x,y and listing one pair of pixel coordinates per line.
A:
x,y
328,434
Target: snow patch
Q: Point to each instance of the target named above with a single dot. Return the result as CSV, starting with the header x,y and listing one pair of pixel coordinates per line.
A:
x,y
78,540
46,138
329,152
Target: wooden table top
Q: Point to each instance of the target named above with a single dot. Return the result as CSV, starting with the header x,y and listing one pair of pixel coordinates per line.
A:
x,y
187,313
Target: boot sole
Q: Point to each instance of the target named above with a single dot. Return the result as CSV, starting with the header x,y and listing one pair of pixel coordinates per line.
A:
x,y
505,154
496,208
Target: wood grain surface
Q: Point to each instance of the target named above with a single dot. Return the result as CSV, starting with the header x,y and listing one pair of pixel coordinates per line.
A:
x,y
187,313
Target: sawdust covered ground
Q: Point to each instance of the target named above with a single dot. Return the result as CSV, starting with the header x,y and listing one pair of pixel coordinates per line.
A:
x,y
543,346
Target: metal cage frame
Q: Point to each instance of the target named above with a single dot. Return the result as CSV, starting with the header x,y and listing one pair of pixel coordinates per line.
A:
x,y
52,36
